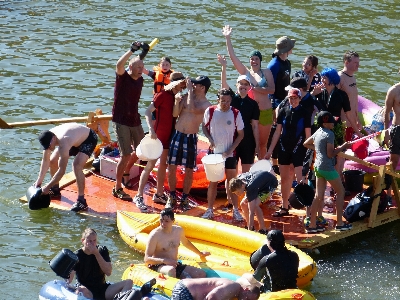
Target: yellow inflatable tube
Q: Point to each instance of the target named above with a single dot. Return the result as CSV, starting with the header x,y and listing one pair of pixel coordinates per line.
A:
x,y
230,246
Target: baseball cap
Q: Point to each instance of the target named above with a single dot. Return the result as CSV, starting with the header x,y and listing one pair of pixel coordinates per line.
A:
x,y
294,93
243,77
45,139
297,83
325,117
203,80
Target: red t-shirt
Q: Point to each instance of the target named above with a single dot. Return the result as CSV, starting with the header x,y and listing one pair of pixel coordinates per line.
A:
x,y
127,93
165,122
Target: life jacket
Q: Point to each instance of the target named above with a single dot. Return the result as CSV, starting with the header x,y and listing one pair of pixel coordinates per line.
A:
x,y
160,79
211,110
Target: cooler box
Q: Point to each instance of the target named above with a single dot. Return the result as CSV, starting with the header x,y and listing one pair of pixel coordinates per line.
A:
x,y
108,167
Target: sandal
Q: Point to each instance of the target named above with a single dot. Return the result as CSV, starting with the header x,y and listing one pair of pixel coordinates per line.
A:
x,y
121,194
127,184
281,213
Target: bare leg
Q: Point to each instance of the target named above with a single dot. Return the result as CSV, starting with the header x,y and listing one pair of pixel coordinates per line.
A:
x,y
231,173
321,185
172,177
78,165
188,181
193,272
55,156
144,176
339,189
211,194
339,167
162,170
121,165
264,131
246,167
286,183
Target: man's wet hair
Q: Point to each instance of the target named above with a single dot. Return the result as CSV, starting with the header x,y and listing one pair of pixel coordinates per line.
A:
x,y
168,212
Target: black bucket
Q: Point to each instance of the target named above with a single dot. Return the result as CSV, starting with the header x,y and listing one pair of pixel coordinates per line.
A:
x,y
353,180
303,195
257,255
63,263
35,198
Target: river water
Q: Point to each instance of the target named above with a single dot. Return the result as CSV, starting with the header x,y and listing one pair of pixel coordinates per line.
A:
x,y
57,59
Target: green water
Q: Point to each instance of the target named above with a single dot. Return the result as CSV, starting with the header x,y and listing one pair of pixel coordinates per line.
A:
x,y
57,59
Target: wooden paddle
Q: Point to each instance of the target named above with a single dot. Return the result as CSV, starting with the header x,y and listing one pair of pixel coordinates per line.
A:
x,y
88,119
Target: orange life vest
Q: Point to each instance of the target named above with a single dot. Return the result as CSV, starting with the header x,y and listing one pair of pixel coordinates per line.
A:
x,y
160,79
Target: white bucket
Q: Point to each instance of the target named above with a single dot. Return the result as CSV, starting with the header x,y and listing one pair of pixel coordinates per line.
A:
x,y
149,149
261,165
214,166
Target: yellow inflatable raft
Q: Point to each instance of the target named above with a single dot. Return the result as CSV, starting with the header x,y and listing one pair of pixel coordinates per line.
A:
x,y
140,274
230,246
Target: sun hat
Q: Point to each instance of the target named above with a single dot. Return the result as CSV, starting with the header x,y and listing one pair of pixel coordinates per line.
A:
x,y
294,93
283,45
176,78
297,83
243,77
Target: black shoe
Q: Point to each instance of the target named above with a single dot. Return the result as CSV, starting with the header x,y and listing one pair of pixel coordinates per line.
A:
x,y
185,204
79,206
55,192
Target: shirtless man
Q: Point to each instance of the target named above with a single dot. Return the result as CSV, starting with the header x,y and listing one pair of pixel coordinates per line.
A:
x,y
161,253
392,102
72,139
351,61
216,288
183,148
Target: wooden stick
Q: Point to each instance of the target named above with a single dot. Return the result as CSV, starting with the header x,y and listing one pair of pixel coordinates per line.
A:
x,y
5,125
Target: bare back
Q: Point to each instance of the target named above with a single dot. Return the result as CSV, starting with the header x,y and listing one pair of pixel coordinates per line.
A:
x,y
392,102
220,288
166,244
70,135
190,119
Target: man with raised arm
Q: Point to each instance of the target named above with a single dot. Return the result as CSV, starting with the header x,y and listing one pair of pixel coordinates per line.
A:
x,y
71,139
125,116
161,253
183,148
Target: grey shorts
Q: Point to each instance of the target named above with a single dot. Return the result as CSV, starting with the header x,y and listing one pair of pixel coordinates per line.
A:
x,y
127,137
181,292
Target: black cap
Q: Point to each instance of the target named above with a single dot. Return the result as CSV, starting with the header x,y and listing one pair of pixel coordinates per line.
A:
x,y
45,139
325,117
297,83
203,80
276,236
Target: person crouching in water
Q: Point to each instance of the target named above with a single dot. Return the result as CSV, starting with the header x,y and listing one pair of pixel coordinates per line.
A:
x,y
257,185
281,263
322,141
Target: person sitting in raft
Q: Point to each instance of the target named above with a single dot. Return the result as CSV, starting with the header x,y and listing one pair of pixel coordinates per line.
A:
x,y
281,263
322,141
94,264
72,139
257,186
161,253
216,288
